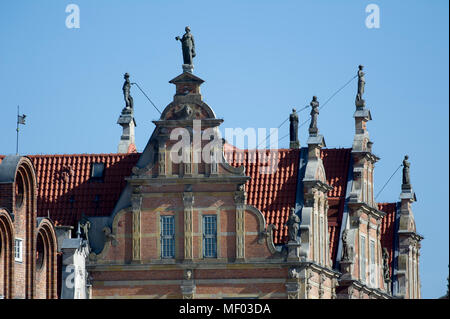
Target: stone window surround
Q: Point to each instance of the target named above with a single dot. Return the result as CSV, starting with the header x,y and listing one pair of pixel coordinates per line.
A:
x,y
18,250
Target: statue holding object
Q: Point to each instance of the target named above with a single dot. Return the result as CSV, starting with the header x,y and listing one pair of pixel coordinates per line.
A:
x,y
188,46
126,92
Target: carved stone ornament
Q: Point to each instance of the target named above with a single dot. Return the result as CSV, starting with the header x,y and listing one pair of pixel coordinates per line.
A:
x,y
239,197
65,173
188,274
293,273
137,189
386,268
109,236
188,199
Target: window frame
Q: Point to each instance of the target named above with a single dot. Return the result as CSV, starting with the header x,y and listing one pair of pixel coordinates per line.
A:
x,y
362,259
372,262
18,250
209,239
97,178
167,237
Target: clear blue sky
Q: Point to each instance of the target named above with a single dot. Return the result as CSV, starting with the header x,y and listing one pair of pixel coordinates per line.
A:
x,y
259,59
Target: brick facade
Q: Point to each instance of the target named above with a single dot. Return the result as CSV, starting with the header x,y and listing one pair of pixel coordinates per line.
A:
x,y
31,272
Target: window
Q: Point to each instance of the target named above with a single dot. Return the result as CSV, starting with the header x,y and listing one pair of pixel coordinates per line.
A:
x,y
363,258
40,251
372,264
209,236
167,237
18,249
97,171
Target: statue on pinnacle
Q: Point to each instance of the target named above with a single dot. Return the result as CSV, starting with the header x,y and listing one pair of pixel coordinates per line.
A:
x,y
126,92
405,179
188,47
314,113
361,84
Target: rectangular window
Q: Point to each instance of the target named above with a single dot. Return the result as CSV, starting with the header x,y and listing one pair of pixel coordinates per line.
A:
x,y
97,171
167,237
372,264
363,258
18,249
210,236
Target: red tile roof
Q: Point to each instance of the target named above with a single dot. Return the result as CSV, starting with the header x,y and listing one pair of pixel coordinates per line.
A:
x,y
388,228
273,194
336,163
65,189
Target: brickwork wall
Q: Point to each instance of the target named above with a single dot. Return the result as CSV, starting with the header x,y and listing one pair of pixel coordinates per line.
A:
x,y
20,200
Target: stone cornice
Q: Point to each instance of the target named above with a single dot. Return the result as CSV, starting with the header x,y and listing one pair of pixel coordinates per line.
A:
x,y
364,288
218,264
413,235
317,184
365,208
188,123
309,264
366,155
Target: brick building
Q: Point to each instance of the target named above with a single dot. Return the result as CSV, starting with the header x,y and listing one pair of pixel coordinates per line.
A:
x,y
203,219
27,242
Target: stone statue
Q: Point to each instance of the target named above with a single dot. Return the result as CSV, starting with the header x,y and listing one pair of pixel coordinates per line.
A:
x,y
293,224
386,274
361,85
345,250
85,225
126,92
314,113
406,165
188,46
293,130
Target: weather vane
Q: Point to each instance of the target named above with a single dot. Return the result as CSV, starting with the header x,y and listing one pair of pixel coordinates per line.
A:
x,y
20,120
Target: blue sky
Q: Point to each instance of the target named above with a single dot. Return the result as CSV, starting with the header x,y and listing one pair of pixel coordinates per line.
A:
x,y
259,59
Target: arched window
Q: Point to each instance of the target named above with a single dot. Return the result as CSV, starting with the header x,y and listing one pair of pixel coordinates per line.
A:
x,y
40,252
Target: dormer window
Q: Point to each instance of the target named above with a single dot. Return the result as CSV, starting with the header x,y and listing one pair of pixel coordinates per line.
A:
x,y
97,172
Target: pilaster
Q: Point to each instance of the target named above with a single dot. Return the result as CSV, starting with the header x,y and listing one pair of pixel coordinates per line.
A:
x,y
240,199
136,202
188,202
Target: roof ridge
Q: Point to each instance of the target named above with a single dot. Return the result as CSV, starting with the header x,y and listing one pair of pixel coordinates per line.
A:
x,y
83,154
